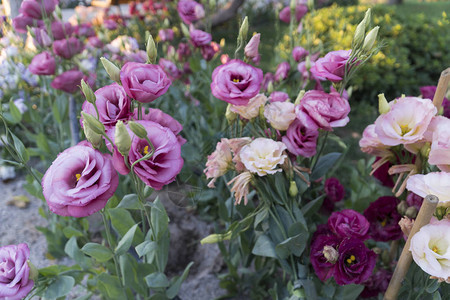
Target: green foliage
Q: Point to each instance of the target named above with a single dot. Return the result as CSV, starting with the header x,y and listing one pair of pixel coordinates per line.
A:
x,y
415,52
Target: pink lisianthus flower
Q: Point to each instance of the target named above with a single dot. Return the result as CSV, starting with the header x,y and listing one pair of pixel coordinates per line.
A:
x,y
170,68
34,8
301,136
199,38
434,183
299,53
165,34
282,71
67,48
251,49
440,146
190,11
43,64
68,81
371,144
406,122
79,182
332,66
251,110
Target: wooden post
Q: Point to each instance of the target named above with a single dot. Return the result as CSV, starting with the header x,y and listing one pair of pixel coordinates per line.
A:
x,y
423,218
441,88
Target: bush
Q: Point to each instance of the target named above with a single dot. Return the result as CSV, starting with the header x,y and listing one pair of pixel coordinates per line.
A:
x,y
415,52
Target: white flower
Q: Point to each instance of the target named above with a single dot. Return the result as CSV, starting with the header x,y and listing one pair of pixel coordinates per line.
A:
x,y
435,183
430,248
280,114
262,156
241,184
251,110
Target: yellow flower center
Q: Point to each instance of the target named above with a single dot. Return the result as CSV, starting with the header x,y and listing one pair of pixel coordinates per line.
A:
x,y
145,150
236,80
383,223
405,129
435,249
351,259
78,176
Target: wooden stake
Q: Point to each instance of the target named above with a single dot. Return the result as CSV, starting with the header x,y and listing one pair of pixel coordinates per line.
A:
x,y
441,88
423,218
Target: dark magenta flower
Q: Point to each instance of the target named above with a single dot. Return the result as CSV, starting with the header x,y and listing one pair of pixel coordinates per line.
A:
x,y
34,8
282,71
332,66
85,30
68,81
61,30
200,38
165,34
236,82
429,91
21,22
67,48
43,64
208,52
383,217
376,284
334,189
190,11
349,223
183,51
382,174
414,200
356,262
300,11
324,255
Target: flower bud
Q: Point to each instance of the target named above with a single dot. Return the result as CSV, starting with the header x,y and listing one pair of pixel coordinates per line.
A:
x,y
411,212
406,225
310,4
441,212
151,50
358,38
299,97
185,31
243,31
270,87
87,91
402,207
229,115
330,254
383,106
368,18
214,238
425,150
93,124
370,39
112,70
212,4
292,5
251,49
94,138
166,22
293,190
122,139
138,129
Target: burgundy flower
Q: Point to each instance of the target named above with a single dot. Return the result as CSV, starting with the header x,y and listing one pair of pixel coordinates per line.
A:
x,y
332,66
183,51
208,52
382,174
144,82
334,189
278,97
322,256
282,71
112,103
301,136
383,217
429,91
349,223
327,110
67,48
43,64
414,200
61,30
236,82
376,284
190,11
68,81
200,38
356,262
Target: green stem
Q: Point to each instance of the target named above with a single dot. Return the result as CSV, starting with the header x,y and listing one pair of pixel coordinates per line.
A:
x,y
109,238
316,157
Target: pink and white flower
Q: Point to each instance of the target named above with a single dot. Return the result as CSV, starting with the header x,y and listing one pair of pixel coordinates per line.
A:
x,y
262,156
280,114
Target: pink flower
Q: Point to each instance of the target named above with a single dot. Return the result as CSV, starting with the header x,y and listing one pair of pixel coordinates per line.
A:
x,y
110,24
327,110
68,81
85,30
299,53
43,64
236,82
301,136
34,8
165,34
95,42
251,49
251,110
278,96
218,162
144,82
61,30
190,11
282,71
67,48
208,52
349,223
41,38
332,66
170,68
406,122
199,38
440,146
21,22
112,103
371,144
165,163
15,282
79,182
300,11
434,183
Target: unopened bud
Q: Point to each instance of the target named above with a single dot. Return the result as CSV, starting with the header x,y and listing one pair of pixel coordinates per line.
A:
x,y
330,254
402,207
46,40
370,39
293,190
308,62
425,150
441,212
243,31
411,212
383,105
58,12
185,31
122,138
292,5
151,50
94,138
270,87
229,115
166,22
299,97
212,4
138,129
368,18
214,238
87,91
310,4
406,224
358,38
93,124
386,257
112,70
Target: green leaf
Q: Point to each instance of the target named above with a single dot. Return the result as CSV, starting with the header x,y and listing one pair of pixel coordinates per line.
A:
x,y
324,164
129,269
97,251
264,247
122,221
130,201
60,287
69,232
348,292
175,287
159,219
157,280
125,243
75,253
42,142
431,288
437,296
313,206
147,247
20,148
110,287
261,216
15,112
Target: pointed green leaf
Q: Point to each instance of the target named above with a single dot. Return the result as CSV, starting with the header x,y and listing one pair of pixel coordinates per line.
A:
x,y
125,243
97,251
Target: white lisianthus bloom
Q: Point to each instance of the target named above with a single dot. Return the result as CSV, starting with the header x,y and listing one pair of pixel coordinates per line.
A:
x,y
262,156
406,122
435,183
280,114
430,248
251,110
